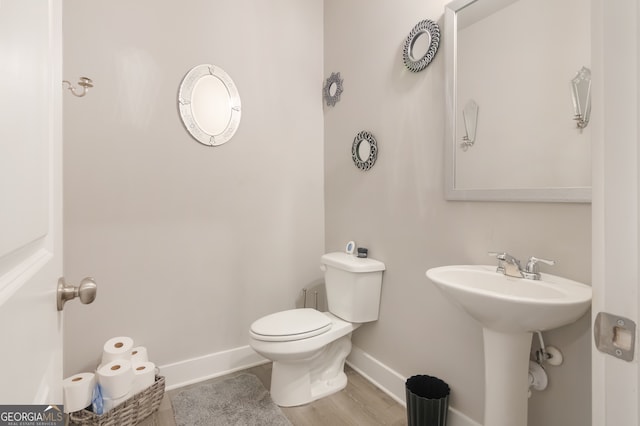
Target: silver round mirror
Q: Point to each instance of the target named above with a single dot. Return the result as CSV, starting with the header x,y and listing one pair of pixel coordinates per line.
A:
x,y
209,105
364,150
421,45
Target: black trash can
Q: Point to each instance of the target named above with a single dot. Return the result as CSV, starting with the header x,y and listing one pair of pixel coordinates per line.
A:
x,y
427,401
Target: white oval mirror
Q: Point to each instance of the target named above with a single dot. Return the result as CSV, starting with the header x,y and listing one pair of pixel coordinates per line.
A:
x,y
209,105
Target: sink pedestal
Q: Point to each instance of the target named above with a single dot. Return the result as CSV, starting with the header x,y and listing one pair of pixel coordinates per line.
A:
x,y
506,360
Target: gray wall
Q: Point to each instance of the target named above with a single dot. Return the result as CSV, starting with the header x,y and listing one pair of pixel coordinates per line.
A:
x,y
189,244
397,210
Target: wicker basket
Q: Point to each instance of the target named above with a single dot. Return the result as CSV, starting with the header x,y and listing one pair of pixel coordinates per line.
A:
x,y
129,413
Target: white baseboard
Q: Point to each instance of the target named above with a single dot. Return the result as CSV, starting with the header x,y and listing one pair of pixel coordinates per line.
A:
x,y
393,384
183,373
377,373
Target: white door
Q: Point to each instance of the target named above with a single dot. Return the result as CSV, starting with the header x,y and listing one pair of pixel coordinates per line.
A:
x,y
616,187
30,197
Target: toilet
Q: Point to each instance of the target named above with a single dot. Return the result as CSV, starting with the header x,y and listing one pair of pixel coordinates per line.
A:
x,y
308,347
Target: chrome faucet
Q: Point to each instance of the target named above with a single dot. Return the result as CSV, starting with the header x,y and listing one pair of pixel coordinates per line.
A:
x,y
510,266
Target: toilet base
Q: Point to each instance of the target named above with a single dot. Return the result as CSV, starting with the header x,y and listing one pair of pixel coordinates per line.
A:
x,y
321,389
301,382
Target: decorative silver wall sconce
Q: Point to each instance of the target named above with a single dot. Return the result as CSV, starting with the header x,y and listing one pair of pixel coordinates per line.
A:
x,y
470,116
581,91
421,45
364,150
332,89
85,82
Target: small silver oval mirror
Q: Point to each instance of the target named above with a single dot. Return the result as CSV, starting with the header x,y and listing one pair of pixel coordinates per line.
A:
x,y
420,46
364,150
333,89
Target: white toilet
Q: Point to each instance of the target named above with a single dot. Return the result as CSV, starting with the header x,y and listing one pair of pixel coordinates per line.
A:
x,y
308,348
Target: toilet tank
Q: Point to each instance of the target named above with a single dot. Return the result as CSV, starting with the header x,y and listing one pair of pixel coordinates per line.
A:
x,y
353,286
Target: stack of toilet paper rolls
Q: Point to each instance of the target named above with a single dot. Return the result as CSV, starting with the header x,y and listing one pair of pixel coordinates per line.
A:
x,y
125,370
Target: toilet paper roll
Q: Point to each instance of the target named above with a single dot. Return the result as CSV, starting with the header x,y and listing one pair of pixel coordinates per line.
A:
x,y
77,391
110,403
139,354
117,348
116,378
144,376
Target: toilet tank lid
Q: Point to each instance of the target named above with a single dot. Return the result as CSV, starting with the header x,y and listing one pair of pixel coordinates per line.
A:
x,y
351,263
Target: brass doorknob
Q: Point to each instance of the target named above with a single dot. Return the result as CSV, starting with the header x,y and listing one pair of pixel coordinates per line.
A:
x,y
86,291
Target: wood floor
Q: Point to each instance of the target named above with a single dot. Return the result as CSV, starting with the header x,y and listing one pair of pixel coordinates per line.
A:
x,y
359,404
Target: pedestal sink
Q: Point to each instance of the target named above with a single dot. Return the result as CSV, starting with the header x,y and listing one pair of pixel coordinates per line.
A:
x,y
510,310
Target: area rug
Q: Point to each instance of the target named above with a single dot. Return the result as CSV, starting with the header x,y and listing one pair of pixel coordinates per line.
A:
x,y
240,400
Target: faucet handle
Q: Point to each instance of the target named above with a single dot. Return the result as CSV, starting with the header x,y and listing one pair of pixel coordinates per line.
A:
x,y
504,257
532,264
507,264
501,256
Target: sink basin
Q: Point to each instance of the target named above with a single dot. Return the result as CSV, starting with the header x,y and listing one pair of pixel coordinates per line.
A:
x,y
508,304
510,310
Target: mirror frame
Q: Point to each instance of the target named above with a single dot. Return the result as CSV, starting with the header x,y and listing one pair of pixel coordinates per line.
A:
x,y
360,163
185,95
432,30
333,80
552,194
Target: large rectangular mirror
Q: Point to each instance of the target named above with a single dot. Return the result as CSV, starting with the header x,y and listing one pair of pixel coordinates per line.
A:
x,y
511,134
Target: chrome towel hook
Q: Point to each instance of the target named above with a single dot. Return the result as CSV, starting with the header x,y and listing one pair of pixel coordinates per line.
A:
x,y
85,82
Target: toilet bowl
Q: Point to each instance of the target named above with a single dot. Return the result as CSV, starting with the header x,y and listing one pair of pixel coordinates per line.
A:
x,y
308,364
309,348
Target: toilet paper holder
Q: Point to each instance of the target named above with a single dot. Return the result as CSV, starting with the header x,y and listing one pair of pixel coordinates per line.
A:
x,y
86,291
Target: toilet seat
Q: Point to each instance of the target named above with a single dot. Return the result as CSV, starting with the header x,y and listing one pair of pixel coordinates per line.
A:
x,y
294,324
